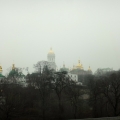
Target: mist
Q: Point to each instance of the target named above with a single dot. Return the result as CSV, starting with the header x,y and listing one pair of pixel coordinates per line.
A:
x,y
76,30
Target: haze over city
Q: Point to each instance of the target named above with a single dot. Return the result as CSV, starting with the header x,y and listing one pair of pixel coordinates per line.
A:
x,y
75,29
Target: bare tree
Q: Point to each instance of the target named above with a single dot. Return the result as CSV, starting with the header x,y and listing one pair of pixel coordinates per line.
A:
x,y
42,82
112,92
61,82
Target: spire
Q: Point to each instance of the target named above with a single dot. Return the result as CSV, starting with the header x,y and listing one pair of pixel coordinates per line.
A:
x,y
13,66
79,66
89,69
0,69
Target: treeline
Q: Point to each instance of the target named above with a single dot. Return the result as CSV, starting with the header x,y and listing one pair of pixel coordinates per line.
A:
x,y
53,95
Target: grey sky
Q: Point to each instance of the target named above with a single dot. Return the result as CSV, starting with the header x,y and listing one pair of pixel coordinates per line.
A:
x,y
88,30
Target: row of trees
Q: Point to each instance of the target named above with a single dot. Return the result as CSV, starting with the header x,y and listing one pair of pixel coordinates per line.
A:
x,y
105,94
57,92
49,94
53,95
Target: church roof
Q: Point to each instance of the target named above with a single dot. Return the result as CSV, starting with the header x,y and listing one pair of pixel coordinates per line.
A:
x,y
2,76
79,66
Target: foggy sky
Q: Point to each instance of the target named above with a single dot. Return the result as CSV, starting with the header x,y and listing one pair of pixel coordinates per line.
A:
x,y
88,30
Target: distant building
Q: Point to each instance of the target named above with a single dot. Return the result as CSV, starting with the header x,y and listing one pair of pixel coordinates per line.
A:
x,y
77,73
17,77
51,59
64,69
79,70
50,63
74,77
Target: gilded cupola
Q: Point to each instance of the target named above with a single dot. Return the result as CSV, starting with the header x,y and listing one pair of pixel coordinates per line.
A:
x,y
13,66
0,69
50,51
79,66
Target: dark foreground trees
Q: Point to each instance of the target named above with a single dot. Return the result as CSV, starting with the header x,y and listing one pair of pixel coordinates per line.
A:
x,y
11,103
60,83
53,95
43,85
58,87
105,95
74,93
112,93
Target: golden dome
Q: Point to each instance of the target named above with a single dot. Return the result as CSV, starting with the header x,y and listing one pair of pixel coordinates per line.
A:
x,y
50,51
79,65
89,69
13,66
0,68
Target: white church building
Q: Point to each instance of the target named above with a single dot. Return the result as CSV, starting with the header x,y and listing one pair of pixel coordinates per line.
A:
x,y
51,59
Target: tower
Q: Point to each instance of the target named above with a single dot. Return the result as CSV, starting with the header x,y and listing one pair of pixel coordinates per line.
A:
x,y
51,56
89,70
79,66
13,67
0,69
51,59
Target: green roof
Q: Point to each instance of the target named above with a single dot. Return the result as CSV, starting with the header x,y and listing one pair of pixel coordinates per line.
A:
x,y
16,73
1,76
64,69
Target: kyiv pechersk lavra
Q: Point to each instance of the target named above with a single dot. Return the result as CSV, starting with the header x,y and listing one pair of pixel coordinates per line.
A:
x,y
74,73
78,69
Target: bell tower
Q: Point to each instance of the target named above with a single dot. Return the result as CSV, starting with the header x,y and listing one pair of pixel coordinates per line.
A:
x,y
51,56
51,59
